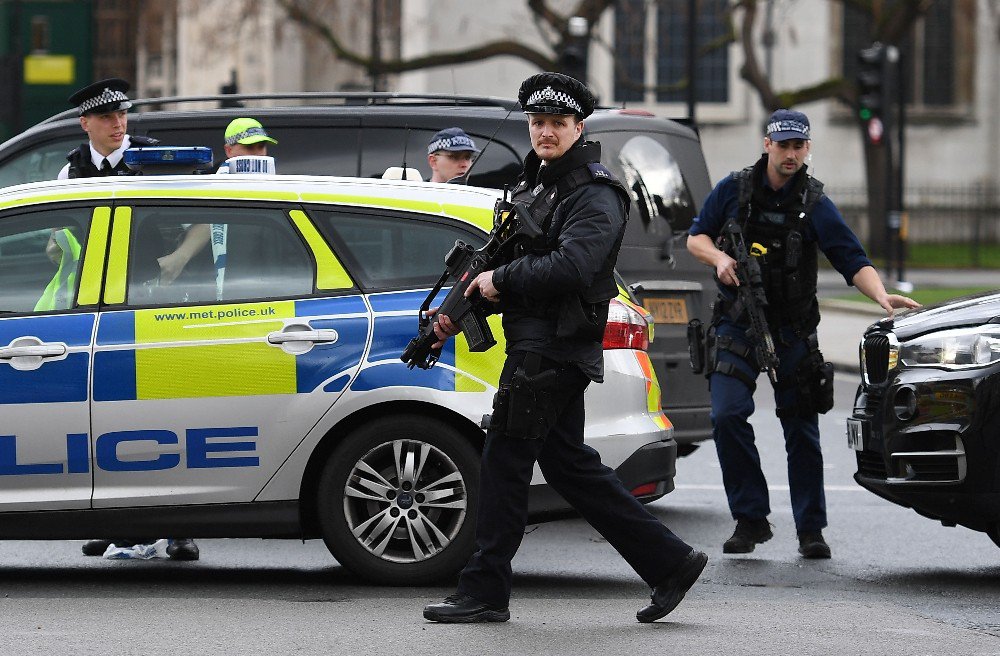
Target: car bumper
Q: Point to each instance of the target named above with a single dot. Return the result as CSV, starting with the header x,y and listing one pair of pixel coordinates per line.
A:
x,y
652,466
944,460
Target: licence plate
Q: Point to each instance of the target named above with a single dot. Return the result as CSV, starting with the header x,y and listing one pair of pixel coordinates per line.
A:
x,y
667,310
857,429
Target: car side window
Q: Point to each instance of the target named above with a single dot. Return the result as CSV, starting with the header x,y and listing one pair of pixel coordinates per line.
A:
x,y
40,255
209,254
392,252
42,162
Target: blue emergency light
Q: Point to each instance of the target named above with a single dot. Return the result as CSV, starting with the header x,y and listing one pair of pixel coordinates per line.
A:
x,y
167,160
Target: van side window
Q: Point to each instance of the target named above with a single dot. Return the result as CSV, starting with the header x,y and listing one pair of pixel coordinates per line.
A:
x,y
42,162
40,256
210,254
392,252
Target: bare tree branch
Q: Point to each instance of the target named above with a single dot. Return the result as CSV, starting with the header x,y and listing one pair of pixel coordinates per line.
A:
x,y
751,70
492,49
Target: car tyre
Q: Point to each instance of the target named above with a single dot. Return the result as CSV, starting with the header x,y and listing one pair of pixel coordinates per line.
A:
x,y
397,500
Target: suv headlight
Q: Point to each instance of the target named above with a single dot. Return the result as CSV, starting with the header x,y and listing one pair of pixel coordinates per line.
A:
x,y
960,348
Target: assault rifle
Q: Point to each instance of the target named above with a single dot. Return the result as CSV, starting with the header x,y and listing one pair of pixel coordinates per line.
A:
x,y
511,225
750,295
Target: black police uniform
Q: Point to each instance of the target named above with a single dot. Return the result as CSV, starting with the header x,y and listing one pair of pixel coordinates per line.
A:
x,y
554,298
81,165
103,97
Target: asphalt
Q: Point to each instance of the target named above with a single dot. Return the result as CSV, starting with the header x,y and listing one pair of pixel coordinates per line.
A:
x,y
843,323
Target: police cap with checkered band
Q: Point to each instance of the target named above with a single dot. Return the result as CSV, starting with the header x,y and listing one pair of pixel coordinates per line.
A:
x,y
555,93
102,97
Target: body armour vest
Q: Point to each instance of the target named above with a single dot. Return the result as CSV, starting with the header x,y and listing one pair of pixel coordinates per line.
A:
x,y
789,267
82,166
540,191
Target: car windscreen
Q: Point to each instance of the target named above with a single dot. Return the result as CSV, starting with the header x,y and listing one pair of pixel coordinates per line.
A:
x,y
664,204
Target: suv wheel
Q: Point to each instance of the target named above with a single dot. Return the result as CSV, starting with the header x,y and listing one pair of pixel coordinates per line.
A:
x,y
397,500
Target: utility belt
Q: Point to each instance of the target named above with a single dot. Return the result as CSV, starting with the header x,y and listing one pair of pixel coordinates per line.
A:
x,y
813,378
525,408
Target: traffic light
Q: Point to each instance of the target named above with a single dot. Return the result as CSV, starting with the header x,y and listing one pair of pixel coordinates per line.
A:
x,y
872,82
573,53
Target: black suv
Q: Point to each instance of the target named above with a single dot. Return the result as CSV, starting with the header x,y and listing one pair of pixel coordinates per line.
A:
x,y
363,134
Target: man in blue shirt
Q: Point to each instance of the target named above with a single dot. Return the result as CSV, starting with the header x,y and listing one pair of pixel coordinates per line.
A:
x,y
779,206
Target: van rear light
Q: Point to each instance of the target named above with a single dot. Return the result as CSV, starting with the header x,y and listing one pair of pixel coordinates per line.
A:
x,y
626,329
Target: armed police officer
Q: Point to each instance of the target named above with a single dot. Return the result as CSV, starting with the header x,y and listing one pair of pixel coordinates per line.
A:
x,y
103,108
781,208
553,295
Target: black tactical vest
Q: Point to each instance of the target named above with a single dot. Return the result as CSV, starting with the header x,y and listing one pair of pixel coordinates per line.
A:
x,y
789,267
82,166
541,202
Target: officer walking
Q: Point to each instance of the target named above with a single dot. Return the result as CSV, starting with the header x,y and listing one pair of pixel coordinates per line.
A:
x,y
554,299
103,108
781,207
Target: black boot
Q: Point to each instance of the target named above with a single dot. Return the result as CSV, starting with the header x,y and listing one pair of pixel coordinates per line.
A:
x,y
95,547
748,534
812,545
668,594
459,608
183,549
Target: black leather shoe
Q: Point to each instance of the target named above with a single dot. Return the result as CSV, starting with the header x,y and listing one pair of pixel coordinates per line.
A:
x,y
812,545
95,547
459,608
748,534
667,595
183,549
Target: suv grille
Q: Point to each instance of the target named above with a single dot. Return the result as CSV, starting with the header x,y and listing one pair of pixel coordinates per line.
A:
x,y
876,358
871,465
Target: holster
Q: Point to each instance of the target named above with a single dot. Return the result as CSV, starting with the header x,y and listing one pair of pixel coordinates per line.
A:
x,y
814,381
696,345
524,408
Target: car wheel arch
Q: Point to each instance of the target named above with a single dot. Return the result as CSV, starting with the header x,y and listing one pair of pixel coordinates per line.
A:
x,y
339,431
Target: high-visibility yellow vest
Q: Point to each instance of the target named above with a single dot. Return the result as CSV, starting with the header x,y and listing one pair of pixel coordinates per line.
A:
x,y
58,293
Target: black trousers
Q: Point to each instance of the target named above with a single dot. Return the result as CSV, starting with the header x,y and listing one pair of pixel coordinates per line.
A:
x,y
575,471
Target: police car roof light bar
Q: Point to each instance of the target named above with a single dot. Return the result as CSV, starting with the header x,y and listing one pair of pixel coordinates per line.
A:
x,y
169,160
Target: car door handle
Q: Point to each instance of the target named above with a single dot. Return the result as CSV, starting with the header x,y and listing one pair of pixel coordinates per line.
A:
x,y
313,336
37,351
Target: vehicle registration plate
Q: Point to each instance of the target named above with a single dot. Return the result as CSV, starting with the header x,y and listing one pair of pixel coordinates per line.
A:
x,y
667,310
857,430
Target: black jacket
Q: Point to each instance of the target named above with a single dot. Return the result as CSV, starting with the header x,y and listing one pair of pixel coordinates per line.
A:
x,y
82,166
584,232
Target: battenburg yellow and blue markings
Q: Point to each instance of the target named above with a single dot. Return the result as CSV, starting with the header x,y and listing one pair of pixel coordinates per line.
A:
x,y
55,381
222,350
396,324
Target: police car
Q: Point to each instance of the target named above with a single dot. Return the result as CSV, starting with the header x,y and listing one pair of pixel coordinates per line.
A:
x,y
219,356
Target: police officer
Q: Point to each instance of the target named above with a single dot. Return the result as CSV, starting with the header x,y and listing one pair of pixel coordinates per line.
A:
x,y
554,299
780,206
449,154
103,108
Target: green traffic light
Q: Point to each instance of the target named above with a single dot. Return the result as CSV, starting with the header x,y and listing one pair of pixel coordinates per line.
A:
x,y
865,113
